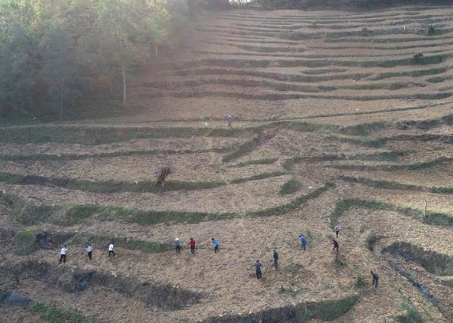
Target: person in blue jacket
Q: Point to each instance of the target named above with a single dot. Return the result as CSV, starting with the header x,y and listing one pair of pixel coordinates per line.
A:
x,y
303,242
216,244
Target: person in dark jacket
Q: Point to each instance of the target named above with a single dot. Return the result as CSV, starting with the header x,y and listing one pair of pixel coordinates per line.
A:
x,y
258,269
275,256
336,246
375,278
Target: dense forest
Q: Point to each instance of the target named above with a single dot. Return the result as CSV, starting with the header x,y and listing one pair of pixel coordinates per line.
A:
x,y
60,57
56,56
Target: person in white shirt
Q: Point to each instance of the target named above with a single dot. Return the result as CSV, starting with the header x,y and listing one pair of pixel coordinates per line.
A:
x,y
111,250
89,251
63,253
337,229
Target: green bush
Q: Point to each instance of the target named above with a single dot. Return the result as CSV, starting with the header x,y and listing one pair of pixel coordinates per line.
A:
x,y
59,314
149,247
359,282
25,242
431,30
292,186
365,32
418,57
411,316
371,241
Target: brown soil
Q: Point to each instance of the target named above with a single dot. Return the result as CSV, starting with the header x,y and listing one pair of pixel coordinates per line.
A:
x,y
297,87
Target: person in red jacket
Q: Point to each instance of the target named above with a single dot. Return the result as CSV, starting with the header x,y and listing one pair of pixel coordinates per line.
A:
x,y
192,245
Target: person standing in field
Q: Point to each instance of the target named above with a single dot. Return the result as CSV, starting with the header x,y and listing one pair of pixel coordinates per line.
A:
x,y
375,278
177,245
63,254
336,246
111,250
258,269
192,245
275,256
229,119
337,229
303,242
216,244
89,251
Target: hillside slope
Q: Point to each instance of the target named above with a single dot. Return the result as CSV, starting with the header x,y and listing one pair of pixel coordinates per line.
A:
x,y
335,122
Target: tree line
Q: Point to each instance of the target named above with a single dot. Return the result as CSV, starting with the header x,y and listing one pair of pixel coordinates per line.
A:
x,y
56,56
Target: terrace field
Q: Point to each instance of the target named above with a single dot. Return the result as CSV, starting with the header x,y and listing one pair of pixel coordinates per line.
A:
x,y
336,122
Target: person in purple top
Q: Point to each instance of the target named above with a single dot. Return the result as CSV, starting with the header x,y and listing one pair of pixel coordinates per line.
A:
x,y
303,242
229,119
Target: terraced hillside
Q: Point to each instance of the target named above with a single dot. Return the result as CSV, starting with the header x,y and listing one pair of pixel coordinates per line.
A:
x,y
336,122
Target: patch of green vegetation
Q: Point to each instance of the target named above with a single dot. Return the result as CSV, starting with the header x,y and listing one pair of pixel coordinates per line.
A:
x,y
289,163
105,135
362,129
418,57
242,149
75,214
286,290
390,156
439,79
258,177
362,141
416,73
56,157
326,310
285,208
414,166
359,282
433,218
340,260
448,119
29,213
264,161
111,213
25,242
392,185
106,186
380,184
365,32
24,211
310,127
411,316
59,314
371,240
79,240
432,30
427,124
148,246
290,187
